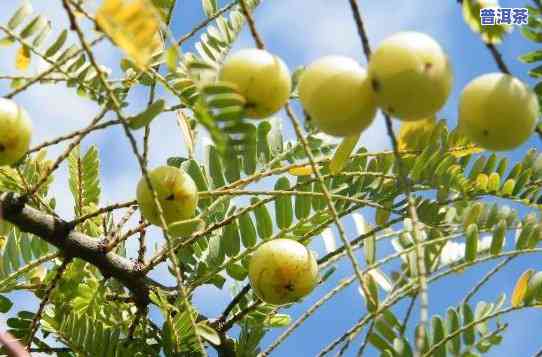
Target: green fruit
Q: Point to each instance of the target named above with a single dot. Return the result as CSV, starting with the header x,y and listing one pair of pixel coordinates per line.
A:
x,y
497,111
176,192
262,78
337,95
410,75
282,271
15,132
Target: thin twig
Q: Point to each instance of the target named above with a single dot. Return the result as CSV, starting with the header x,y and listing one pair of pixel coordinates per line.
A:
x,y
36,320
486,278
252,25
403,179
207,21
77,221
66,153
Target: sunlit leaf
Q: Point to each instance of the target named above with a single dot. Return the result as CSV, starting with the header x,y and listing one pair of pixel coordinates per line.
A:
x,y
22,59
521,288
134,26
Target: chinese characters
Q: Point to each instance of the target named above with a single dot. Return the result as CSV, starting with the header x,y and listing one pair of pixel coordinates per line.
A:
x,y
504,16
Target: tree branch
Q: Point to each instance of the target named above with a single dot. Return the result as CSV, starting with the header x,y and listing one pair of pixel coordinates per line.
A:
x,y
77,245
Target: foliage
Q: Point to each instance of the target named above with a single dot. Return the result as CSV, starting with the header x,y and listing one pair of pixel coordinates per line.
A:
x,y
466,202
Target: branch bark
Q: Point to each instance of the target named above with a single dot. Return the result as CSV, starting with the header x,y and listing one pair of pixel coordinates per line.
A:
x,y
76,245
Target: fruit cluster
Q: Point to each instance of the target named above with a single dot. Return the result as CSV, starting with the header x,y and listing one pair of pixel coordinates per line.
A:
x,y
409,77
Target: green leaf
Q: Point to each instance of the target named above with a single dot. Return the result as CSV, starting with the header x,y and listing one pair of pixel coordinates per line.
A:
x,y
144,118
534,288
378,342
172,57
278,320
525,235
402,347
264,224
19,16
185,228
232,165
216,254
210,7
194,170
36,25
471,246
531,57
42,35
508,187
497,242
382,215
343,152
425,341
283,204
232,239
302,202
468,318
371,287
438,336
452,325
247,230
215,168
5,304
236,271
382,327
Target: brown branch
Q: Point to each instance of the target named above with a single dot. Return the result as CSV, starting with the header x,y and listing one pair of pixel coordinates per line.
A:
x,y
252,25
59,233
498,58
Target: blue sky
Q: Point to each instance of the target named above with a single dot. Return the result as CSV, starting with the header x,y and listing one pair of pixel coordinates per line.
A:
x,y
299,32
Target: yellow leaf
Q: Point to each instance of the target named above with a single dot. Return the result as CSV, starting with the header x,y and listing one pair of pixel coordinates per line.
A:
x,y
482,181
415,135
521,288
22,59
301,170
465,150
134,25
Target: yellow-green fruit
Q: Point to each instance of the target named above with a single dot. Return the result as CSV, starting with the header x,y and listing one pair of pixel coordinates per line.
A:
x,y
282,271
336,93
262,78
176,192
410,75
15,132
497,111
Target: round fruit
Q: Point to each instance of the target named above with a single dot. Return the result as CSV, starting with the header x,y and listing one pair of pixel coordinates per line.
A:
x,y
263,79
176,192
410,75
337,95
282,271
497,111
15,132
